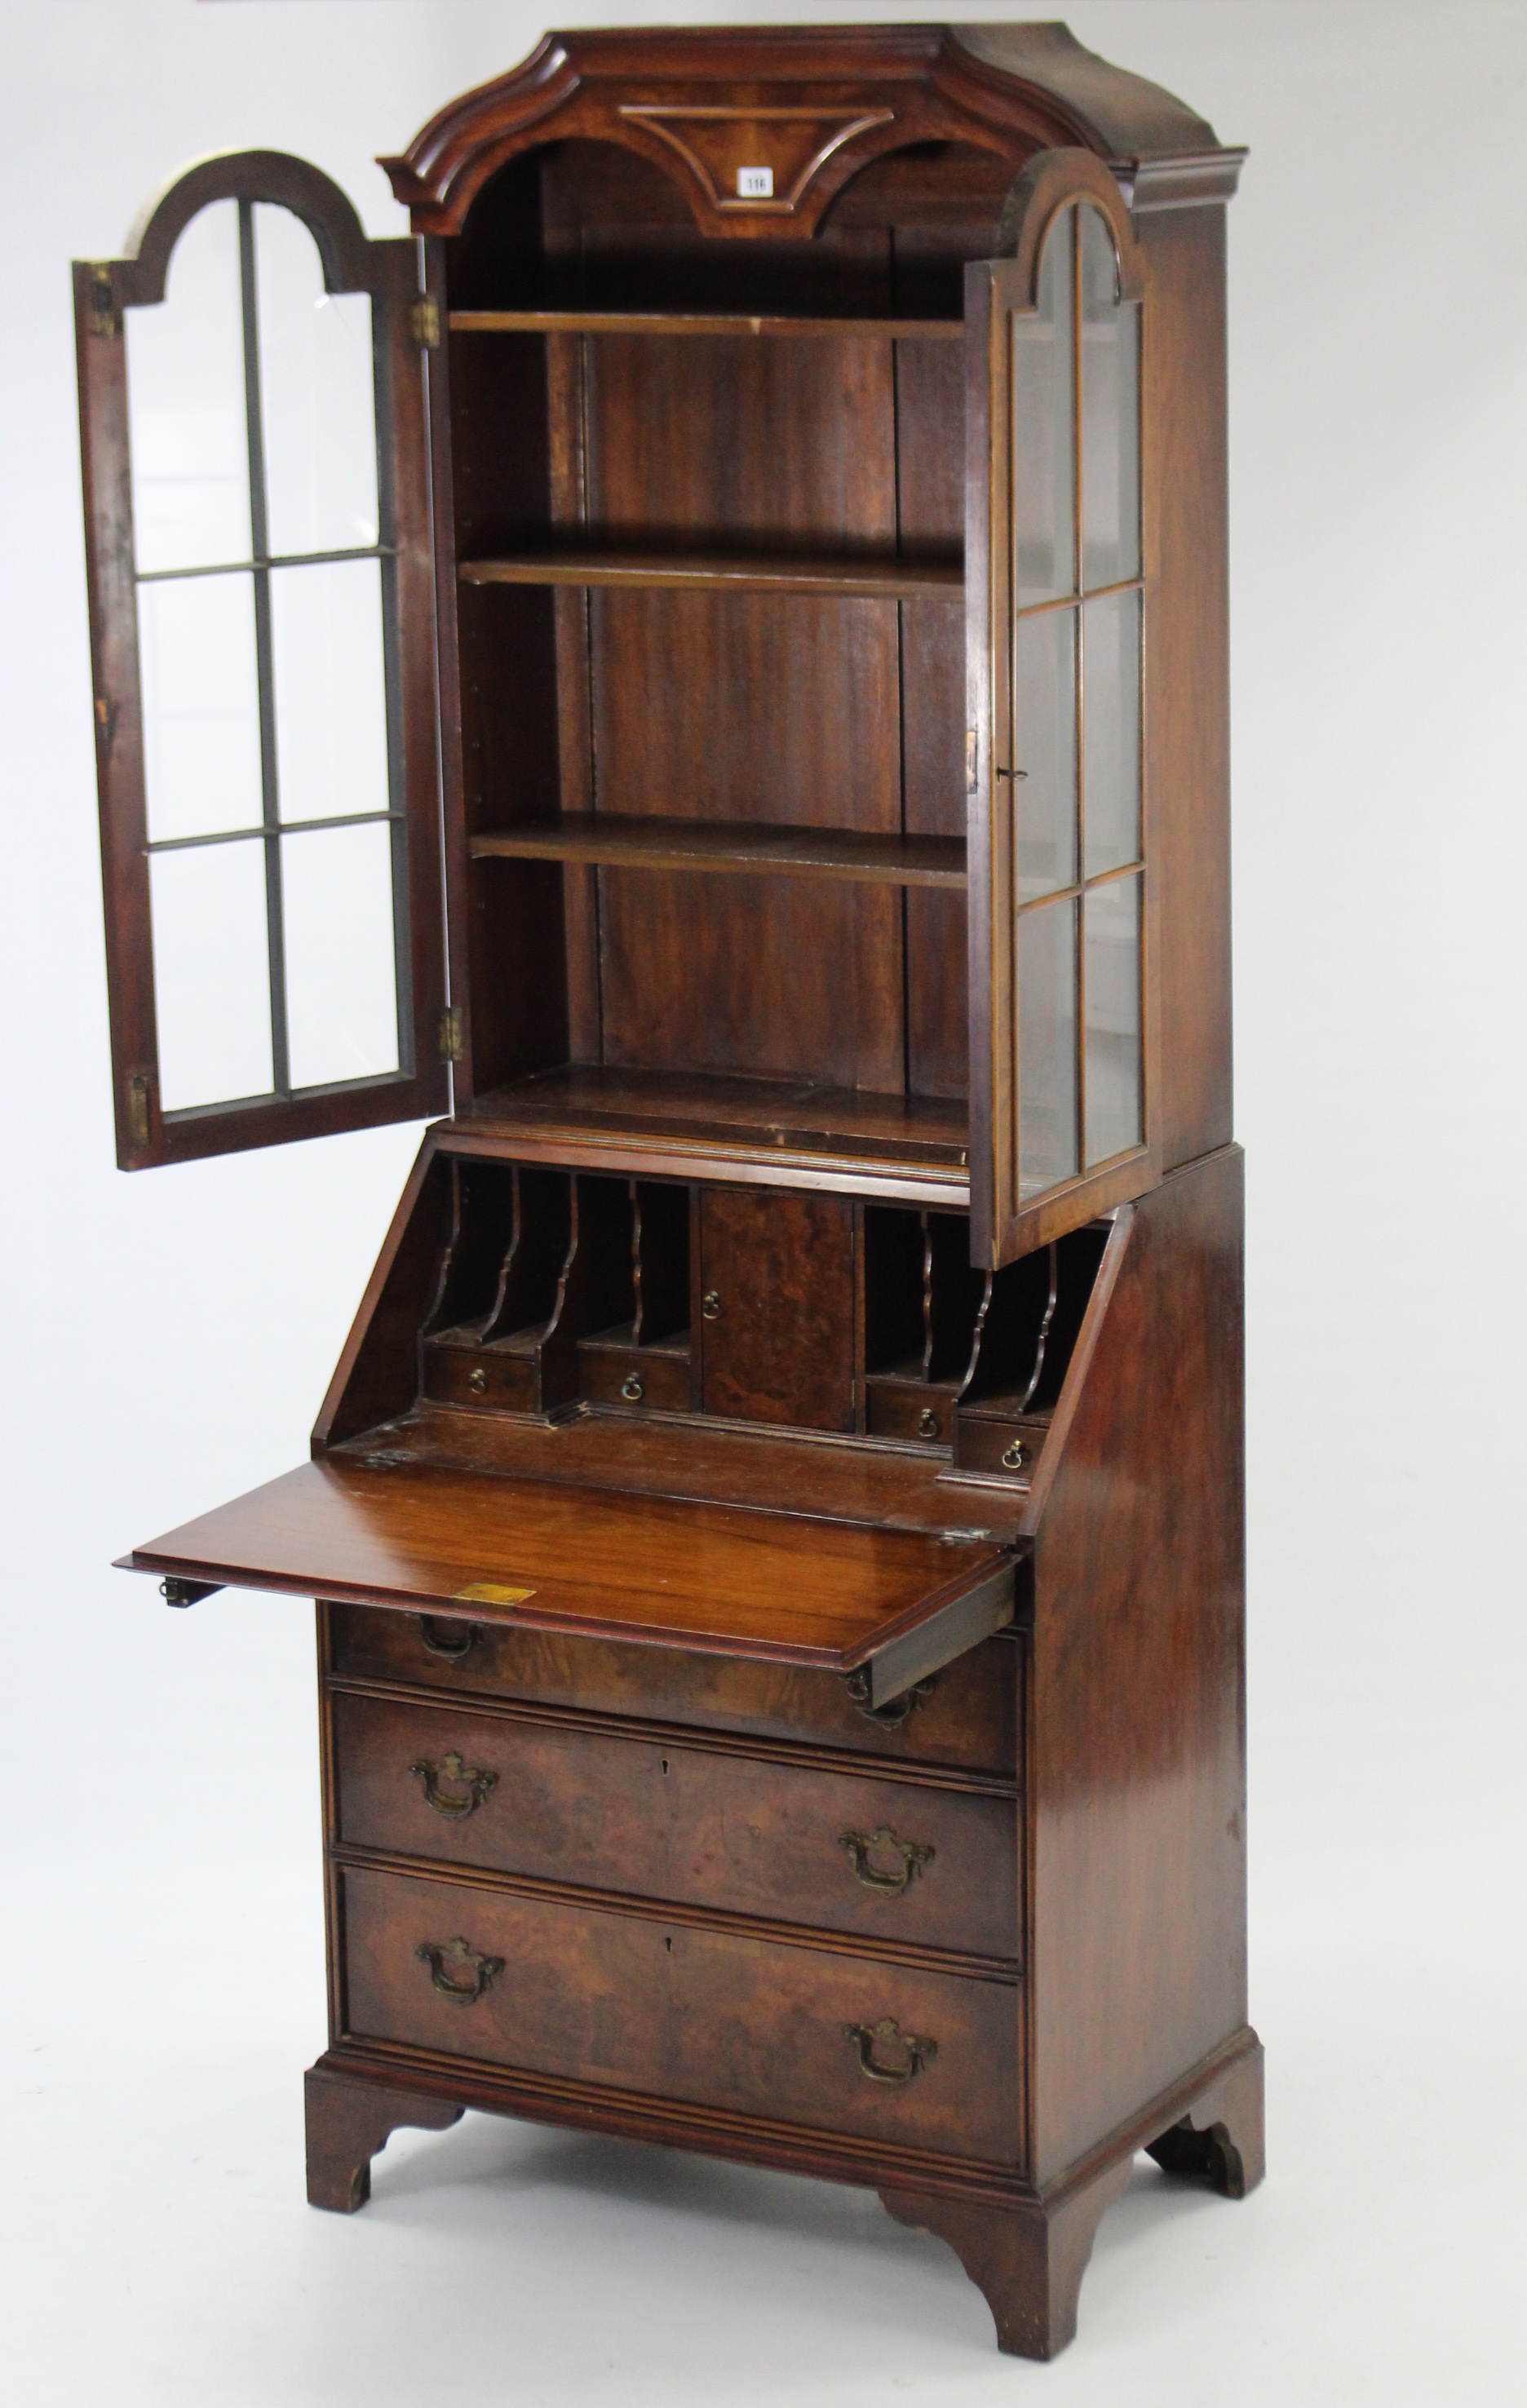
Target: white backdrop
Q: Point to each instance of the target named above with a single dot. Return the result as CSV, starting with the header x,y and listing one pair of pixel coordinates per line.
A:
x,y
168,1338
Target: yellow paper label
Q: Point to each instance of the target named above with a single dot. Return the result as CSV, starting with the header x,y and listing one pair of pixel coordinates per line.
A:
x,y
490,1593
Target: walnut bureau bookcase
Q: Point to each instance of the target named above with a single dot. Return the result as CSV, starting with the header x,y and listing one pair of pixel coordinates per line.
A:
x,y
704,666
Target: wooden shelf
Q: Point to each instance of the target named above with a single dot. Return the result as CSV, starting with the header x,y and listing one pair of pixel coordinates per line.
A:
x,y
735,846
665,321
940,580
645,1123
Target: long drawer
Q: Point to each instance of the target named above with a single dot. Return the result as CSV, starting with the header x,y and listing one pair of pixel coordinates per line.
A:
x,y
802,2034
651,1818
967,1714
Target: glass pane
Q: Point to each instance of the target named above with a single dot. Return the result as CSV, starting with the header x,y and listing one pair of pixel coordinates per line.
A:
x,y
1047,1046
1114,1068
187,429
1111,720
211,974
201,709
1044,466
341,997
1111,413
331,709
317,396
1045,749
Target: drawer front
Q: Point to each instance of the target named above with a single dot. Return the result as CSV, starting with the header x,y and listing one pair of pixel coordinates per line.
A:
x,y
1010,1449
754,2025
654,1820
634,1377
475,1375
968,1715
910,1409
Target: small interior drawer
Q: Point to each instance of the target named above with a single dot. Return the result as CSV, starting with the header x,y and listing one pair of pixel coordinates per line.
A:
x,y
649,1818
456,1375
810,2035
908,1408
1006,1448
612,1370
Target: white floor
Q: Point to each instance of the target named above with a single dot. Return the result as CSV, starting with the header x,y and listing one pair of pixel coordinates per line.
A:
x,y
164,1998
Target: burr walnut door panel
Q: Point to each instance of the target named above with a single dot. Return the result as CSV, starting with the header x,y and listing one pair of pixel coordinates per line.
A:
x,y
776,1281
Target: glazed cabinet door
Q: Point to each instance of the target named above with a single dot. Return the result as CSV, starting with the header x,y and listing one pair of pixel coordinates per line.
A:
x,y
1057,546
253,426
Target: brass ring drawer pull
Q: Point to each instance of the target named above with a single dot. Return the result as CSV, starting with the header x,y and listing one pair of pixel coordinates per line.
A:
x,y
452,1639
913,1856
439,1953
477,1381
633,1389
927,1423
887,2033
710,1305
451,1768
1014,1457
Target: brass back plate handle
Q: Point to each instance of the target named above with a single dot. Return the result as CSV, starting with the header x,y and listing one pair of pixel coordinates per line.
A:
x,y
451,1768
445,1959
911,1856
452,1639
887,2035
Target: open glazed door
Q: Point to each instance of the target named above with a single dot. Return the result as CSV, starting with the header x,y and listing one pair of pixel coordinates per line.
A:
x,y
1058,546
252,418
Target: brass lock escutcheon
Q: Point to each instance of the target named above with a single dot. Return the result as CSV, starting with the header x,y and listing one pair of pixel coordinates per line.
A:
x,y
911,1857
1015,1456
633,1388
449,1803
452,1639
875,2042
710,1305
447,1958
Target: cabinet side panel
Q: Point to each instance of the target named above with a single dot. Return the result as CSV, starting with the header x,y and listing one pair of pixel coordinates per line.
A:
x,y
1187,698
1136,1730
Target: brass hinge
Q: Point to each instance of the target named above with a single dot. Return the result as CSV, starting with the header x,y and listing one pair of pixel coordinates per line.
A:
x,y
137,1107
104,317
424,323
450,1033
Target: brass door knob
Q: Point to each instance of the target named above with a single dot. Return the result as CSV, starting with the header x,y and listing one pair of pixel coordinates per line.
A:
x,y
710,1305
633,1389
927,1423
477,1381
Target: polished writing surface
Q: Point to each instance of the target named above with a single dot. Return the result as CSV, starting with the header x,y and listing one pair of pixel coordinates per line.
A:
x,y
802,1590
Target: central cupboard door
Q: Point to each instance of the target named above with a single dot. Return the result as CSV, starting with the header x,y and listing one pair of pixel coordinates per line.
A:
x,y
777,1278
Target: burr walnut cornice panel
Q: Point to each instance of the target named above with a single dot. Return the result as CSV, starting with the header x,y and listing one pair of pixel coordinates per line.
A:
x,y
760,130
